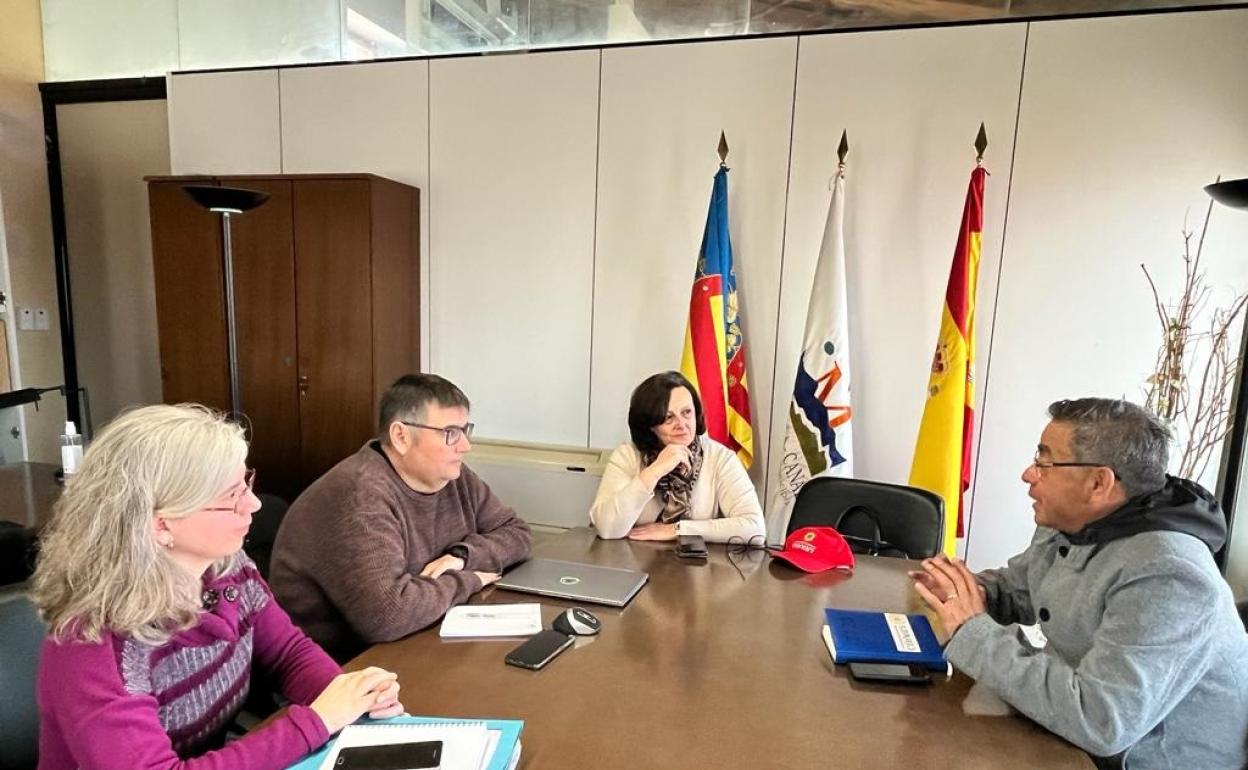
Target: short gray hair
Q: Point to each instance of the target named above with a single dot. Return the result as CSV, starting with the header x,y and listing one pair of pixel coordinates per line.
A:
x,y
1121,435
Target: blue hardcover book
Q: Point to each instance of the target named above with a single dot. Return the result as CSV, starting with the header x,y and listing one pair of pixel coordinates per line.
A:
x,y
504,740
863,636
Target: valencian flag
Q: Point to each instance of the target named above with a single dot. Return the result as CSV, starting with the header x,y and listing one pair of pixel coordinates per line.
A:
x,y
942,454
714,354
817,437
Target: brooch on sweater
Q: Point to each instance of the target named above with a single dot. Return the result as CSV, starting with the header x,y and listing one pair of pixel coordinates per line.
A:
x,y
211,597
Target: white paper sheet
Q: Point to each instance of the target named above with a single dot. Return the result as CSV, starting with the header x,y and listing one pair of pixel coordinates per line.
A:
x,y
484,620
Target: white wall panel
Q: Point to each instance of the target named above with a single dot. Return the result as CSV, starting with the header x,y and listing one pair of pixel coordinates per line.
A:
x,y
224,123
1122,122
371,118
662,110
512,158
911,102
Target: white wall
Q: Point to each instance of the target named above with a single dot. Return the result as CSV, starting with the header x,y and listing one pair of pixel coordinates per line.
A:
x,y
27,232
1122,122
513,142
566,204
663,108
225,123
106,150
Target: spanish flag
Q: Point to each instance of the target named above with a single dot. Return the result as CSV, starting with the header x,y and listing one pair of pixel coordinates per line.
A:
x,y
714,354
942,454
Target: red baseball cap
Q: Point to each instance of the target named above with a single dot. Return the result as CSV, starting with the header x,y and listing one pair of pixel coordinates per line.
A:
x,y
816,549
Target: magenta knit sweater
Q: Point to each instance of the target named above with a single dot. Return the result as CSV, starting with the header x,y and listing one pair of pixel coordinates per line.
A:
x,y
121,703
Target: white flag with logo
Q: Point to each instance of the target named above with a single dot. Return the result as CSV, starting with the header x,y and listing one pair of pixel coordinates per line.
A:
x,y
818,433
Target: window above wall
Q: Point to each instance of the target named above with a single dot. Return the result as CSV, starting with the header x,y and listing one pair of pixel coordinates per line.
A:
x,y
127,38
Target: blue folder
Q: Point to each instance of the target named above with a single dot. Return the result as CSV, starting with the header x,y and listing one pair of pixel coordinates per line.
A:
x,y
510,729
862,636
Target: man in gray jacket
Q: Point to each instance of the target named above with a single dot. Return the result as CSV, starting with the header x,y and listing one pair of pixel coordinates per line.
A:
x,y
1146,665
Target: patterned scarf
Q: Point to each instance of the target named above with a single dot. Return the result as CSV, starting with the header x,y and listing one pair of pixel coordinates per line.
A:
x,y
676,489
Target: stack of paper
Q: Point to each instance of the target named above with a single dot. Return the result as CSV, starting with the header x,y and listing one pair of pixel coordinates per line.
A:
x,y
483,620
491,744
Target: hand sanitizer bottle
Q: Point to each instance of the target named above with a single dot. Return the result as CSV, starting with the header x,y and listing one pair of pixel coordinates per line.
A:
x,y
71,449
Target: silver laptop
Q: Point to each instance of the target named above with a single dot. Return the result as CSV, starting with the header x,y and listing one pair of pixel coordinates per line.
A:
x,y
573,580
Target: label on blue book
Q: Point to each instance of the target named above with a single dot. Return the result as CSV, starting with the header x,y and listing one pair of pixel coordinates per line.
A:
x,y
863,636
902,632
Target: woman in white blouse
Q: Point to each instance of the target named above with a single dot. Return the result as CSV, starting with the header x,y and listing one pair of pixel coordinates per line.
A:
x,y
671,479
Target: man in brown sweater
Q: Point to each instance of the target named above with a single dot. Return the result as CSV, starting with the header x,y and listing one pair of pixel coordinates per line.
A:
x,y
393,536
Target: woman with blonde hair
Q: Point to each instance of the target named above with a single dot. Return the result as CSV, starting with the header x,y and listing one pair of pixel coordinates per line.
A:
x,y
156,617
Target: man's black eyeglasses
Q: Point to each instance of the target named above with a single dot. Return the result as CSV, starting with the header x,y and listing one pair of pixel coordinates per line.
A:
x,y
452,433
1044,464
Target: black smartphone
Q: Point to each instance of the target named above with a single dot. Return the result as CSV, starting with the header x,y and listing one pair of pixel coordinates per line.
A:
x,y
392,756
691,547
539,650
889,672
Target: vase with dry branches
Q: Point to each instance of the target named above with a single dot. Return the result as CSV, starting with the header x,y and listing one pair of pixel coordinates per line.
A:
x,y
1191,383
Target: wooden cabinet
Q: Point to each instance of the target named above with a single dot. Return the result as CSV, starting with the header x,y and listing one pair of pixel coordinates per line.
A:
x,y
326,286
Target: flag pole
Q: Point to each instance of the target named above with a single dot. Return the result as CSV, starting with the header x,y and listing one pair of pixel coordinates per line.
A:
x,y
944,447
818,431
713,356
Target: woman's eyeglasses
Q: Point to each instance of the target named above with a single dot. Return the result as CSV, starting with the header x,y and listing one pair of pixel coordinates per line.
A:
x,y
249,479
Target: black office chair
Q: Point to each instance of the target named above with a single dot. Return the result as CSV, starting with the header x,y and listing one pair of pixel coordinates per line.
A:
x,y
22,632
262,699
264,525
876,518
18,547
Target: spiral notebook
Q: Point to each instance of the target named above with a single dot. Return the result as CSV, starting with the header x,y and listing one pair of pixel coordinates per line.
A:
x,y
466,744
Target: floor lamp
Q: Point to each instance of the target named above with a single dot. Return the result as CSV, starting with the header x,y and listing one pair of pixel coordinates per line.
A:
x,y
228,201
1234,193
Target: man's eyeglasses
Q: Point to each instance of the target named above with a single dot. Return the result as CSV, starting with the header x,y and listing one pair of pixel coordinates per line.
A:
x,y
452,433
1043,465
249,479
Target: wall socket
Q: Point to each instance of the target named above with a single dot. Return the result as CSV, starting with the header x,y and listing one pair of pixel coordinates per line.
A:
x,y
32,319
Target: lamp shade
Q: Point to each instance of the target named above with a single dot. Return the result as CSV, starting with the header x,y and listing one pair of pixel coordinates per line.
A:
x,y
1233,193
221,200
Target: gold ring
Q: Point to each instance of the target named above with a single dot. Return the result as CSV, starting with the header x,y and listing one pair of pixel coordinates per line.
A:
x,y
951,596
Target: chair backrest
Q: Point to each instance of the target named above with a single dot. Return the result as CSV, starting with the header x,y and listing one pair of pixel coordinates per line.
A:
x,y
909,520
22,632
18,548
264,526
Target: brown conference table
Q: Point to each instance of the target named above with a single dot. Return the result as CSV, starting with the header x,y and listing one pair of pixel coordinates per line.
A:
x,y
709,668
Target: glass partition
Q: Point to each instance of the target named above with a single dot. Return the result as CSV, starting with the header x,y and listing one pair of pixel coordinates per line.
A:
x,y
121,38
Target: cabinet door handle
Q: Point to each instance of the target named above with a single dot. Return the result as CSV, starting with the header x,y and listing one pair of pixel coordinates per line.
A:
x,y
303,384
